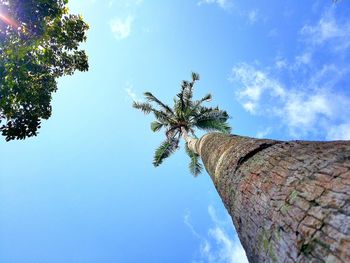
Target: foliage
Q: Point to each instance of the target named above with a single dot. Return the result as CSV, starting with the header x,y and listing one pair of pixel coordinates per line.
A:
x,y
186,115
39,42
195,166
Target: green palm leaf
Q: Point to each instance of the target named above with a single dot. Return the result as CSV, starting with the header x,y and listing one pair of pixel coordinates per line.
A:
x,y
207,97
197,104
195,76
151,98
212,113
195,166
145,107
156,126
187,91
164,151
162,117
213,125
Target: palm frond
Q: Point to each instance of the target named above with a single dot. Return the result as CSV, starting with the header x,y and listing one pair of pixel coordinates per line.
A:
x,y
197,104
145,107
203,110
164,151
195,166
172,131
195,76
162,117
185,84
213,125
187,91
179,107
156,126
180,103
151,98
211,113
207,97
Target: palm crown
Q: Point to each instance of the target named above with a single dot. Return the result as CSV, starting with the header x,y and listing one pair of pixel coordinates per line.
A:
x,y
186,116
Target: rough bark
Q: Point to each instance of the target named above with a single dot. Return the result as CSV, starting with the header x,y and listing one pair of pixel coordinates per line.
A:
x,y
289,201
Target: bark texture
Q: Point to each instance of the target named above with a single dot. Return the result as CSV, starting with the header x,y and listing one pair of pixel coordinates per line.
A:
x,y
191,142
289,201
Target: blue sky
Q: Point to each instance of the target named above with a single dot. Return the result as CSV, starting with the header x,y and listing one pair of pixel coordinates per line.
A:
x,y
85,189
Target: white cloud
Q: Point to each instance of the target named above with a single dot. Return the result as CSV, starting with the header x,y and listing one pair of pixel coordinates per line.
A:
x,y
256,83
339,132
328,31
304,58
187,221
250,106
218,246
130,92
121,28
224,4
281,63
302,111
308,93
253,16
261,134
229,250
312,108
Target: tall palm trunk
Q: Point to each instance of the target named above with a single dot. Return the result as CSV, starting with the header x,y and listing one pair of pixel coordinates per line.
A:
x,y
289,201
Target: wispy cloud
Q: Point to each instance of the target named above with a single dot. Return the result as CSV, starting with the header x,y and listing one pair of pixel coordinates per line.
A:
x,y
250,15
339,132
312,108
308,92
253,16
304,58
263,133
130,92
256,84
224,4
218,245
121,28
281,63
328,31
187,221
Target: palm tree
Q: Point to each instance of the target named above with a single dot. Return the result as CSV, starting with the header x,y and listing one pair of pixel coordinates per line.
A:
x,y
289,201
183,118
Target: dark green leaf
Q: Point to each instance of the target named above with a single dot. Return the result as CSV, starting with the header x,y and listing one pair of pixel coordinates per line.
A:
x,y
194,165
39,45
164,151
195,76
213,125
151,98
156,126
145,107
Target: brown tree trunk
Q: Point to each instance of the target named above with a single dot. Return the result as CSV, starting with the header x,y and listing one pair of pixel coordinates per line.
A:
x,y
289,201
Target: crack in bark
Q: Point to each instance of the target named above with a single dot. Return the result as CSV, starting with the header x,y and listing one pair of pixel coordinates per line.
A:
x,y
250,154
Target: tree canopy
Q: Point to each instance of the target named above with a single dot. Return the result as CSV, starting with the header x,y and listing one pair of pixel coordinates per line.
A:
x,y
39,42
186,116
